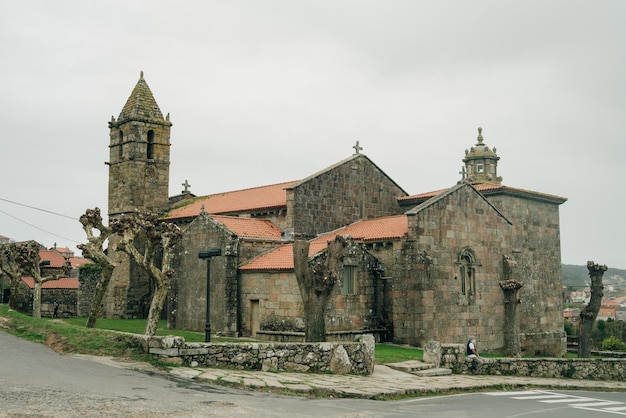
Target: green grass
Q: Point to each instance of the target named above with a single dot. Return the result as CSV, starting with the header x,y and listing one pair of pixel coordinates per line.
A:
x,y
137,326
68,338
71,335
389,353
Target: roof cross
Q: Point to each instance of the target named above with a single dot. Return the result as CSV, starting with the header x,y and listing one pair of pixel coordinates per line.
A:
x,y
186,185
357,148
462,173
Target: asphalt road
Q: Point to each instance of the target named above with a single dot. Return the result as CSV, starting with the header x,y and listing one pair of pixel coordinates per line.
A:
x,y
36,381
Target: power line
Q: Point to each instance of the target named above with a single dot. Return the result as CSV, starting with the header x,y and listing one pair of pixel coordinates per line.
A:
x,y
36,227
36,208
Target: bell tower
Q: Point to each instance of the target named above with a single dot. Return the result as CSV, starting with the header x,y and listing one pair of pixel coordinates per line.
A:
x,y
139,155
481,163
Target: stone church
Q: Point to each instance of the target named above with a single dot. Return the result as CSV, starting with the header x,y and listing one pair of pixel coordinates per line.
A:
x,y
423,267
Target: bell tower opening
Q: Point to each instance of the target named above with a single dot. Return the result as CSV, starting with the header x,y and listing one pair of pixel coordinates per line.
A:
x,y
150,151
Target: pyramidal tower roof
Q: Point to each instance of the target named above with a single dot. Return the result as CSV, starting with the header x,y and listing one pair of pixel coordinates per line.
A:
x,y
141,106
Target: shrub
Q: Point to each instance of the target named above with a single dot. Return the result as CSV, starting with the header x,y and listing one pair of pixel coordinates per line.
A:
x,y
612,343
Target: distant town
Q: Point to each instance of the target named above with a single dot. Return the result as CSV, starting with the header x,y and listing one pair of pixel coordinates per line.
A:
x,y
577,293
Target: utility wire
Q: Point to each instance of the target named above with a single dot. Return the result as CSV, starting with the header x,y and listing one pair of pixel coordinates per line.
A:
x,y
33,207
41,229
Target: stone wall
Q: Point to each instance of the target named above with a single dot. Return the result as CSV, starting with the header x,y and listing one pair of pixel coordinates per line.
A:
x,y
429,300
453,357
536,247
355,357
352,189
189,282
275,297
67,299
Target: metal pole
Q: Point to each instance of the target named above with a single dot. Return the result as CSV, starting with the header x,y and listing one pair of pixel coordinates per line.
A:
x,y
207,323
206,255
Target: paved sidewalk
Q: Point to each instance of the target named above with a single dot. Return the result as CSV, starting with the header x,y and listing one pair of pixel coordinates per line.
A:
x,y
385,382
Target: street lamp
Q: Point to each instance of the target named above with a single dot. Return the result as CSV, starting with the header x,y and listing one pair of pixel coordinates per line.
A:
x,y
206,255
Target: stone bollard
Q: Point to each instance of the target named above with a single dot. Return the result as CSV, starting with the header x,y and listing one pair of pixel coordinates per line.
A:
x,y
432,353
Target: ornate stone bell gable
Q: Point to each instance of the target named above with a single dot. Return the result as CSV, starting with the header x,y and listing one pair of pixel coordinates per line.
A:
x,y
481,163
139,155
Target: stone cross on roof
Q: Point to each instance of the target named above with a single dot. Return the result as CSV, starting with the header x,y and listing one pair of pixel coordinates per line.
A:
x,y
186,185
463,173
357,148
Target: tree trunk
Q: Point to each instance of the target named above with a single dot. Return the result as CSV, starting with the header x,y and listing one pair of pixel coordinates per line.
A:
x,y
93,249
590,312
37,299
156,307
15,284
315,318
316,281
103,284
511,320
313,312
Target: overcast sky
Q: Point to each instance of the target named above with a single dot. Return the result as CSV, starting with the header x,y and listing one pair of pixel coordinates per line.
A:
x,y
262,92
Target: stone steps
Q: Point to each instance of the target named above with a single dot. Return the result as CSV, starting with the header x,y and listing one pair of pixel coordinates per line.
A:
x,y
435,371
419,368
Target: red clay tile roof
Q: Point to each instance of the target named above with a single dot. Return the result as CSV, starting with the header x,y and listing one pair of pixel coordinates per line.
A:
x,y
259,198
250,227
63,283
391,227
420,196
78,262
279,259
56,259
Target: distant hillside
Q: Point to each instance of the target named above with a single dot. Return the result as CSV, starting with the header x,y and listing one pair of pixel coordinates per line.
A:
x,y
578,276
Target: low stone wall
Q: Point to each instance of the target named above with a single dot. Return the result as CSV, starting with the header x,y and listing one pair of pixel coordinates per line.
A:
x,y
453,357
355,357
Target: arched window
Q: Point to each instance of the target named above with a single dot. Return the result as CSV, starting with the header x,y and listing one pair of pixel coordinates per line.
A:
x,y
121,145
349,280
150,149
467,271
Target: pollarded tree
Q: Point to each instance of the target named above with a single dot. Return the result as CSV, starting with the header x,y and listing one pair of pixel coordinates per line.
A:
x,y
510,286
590,312
29,262
94,250
143,237
316,278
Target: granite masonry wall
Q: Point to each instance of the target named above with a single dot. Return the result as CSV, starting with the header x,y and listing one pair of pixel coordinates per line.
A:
x,y
453,357
350,190
356,357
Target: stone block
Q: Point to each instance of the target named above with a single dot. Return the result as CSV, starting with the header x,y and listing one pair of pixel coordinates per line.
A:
x,y
432,353
339,361
170,352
